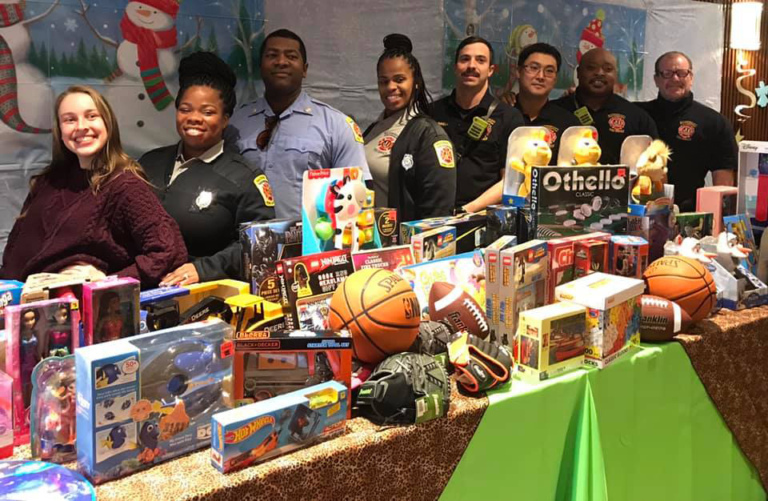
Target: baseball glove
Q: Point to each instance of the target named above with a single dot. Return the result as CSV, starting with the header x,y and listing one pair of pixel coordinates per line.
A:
x,y
432,339
480,364
403,389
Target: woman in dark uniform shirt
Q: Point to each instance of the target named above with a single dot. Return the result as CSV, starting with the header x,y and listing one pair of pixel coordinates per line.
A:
x,y
208,190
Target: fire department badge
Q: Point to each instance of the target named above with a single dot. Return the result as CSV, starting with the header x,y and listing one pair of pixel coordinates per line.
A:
x,y
444,151
355,130
265,189
385,144
617,122
686,130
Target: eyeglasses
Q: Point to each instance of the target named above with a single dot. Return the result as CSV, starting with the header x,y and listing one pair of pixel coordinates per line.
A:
x,y
262,140
533,69
667,74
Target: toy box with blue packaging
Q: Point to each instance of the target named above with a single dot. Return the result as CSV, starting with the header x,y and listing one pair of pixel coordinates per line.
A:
x,y
753,183
266,429
434,244
337,211
654,222
150,398
263,244
10,293
111,309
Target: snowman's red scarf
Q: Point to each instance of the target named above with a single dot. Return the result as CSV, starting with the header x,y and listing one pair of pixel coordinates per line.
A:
x,y
147,42
11,14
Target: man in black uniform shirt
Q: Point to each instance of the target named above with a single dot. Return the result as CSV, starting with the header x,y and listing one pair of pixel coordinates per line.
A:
x,y
482,151
594,103
701,139
538,65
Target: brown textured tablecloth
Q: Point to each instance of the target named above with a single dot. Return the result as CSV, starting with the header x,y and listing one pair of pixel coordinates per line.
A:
x,y
367,462
730,355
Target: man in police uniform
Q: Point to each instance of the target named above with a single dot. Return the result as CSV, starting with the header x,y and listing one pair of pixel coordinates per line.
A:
x,y
538,65
594,103
701,139
286,132
478,125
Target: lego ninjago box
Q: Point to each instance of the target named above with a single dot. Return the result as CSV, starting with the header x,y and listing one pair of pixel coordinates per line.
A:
x,y
569,201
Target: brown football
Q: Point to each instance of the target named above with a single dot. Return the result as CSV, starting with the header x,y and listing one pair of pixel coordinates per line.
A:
x,y
451,303
661,319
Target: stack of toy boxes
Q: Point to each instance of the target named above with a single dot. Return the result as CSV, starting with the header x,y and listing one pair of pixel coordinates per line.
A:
x,y
629,256
150,398
613,313
434,244
268,364
523,284
720,201
550,340
562,258
493,282
263,430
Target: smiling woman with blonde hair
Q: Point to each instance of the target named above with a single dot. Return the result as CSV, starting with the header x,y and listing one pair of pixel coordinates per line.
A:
x,y
91,206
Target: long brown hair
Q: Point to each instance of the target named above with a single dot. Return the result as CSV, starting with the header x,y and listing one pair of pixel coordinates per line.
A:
x,y
111,160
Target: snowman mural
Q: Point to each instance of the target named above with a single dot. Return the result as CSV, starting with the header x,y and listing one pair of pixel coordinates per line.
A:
x,y
591,38
142,89
521,37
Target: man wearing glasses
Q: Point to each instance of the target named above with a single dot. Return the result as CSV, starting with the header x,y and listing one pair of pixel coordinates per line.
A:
x,y
594,103
286,132
701,139
538,65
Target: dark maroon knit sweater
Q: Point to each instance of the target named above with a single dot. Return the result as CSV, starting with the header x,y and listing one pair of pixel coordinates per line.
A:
x,y
122,230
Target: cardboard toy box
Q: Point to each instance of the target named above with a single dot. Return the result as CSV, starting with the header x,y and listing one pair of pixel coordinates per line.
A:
x,y
752,183
434,244
654,222
550,340
110,310
590,256
6,412
562,257
500,220
470,229
628,255
493,282
523,284
720,201
268,364
613,314
263,430
149,398
389,258
10,294
263,244
569,201
387,228
693,224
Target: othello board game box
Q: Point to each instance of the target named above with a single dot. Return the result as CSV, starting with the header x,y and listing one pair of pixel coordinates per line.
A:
x,y
574,200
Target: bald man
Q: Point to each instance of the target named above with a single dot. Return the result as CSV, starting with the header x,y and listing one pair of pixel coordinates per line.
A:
x,y
594,103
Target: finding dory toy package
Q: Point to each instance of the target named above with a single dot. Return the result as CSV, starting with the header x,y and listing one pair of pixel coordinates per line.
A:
x,y
269,428
150,398
53,410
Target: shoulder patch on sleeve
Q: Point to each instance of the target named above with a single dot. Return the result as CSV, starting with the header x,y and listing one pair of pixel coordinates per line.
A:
x,y
265,189
355,130
444,151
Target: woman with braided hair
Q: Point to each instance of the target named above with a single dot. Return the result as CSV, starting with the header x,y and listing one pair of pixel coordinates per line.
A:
x,y
410,156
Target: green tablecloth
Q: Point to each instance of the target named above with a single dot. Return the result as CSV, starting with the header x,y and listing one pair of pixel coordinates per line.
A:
x,y
643,429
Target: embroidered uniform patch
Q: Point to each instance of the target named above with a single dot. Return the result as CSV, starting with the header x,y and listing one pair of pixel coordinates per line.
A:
x,y
617,122
385,144
355,130
444,150
686,130
265,189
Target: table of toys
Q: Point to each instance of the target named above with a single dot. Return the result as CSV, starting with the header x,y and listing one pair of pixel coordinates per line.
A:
x,y
348,312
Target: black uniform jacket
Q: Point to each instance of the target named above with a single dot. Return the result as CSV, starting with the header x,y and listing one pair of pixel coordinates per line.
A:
x,y
209,201
701,140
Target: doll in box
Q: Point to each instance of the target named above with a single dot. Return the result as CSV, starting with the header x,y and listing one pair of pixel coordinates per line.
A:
x,y
110,325
60,335
29,351
53,410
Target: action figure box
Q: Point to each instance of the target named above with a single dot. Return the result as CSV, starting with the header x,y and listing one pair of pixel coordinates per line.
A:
x,y
590,256
628,255
562,255
110,310
654,222
569,201
307,284
693,225
10,294
388,231
263,430
6,415
434,244
264,244
550,340
150,398
470,229
523,284
752,183
35,331
613,314
720,201
268,364
388,258
466,270
500,220
493,282
740,226
337,211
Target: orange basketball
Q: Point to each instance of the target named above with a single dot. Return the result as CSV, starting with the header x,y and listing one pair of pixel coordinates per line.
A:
x,y
685,281
381,312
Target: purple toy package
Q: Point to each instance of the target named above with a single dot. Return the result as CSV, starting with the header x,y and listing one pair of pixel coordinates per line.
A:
x,y
6,424
111,310
53,410
35,331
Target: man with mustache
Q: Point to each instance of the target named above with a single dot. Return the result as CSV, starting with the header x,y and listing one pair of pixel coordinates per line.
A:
x,y
478,125
701,139
286,132
594,103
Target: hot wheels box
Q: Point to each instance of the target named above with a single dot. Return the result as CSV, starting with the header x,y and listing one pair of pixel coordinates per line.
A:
x,y
523,285
268,364
434,244
35,331
613,313
574,200
149,398
111,310
629,256
550,340
263,430
263,245
389,258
